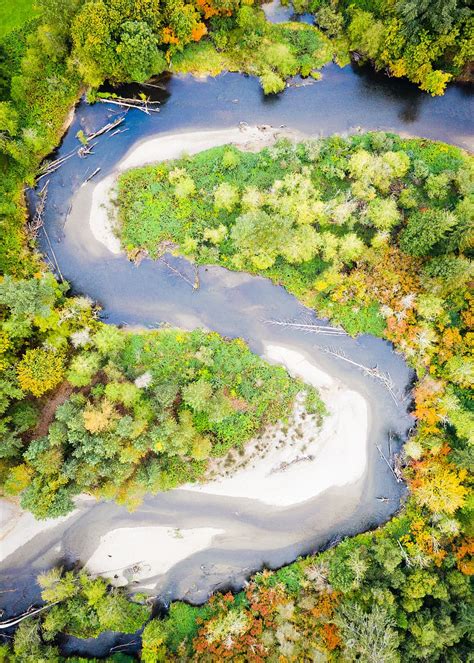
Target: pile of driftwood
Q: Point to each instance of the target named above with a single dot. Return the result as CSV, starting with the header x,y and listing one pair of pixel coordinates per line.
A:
x,y
36,222
143,104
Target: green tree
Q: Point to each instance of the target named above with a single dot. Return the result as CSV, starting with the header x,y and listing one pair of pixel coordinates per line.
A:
x,y
197,394
383,213
259,237
137,52
226,196
153,642
367,636
425,230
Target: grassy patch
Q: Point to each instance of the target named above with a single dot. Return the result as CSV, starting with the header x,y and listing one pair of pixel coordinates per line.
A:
x,y
14,14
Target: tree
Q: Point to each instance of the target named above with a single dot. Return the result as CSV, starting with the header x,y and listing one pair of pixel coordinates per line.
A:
x,y
82,368
93,45
366,33
100,418
436,16
259,237
460,369
226,196
109,340
184,187
279,58
448,273
425,230
302,245
329,20
29,299
153,642
197,395
367,636
138,53
40,370
271,82
351,248
383,213
438,486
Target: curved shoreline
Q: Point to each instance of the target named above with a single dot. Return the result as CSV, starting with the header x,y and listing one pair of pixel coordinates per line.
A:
x,y
277,478
315,465
304,460
164,148
233,304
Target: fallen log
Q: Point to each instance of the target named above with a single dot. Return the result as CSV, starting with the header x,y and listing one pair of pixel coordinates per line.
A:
x,y
16,620
133,103
105,129
37,221
194,286
88,179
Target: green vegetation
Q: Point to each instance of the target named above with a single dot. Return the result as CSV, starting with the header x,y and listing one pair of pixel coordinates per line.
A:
x,y
305,215
45,63
381,233
429,41
376,232
14,15
82,606
139,413
272,52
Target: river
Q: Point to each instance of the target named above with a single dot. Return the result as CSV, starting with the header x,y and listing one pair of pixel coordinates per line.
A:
x,y
233,304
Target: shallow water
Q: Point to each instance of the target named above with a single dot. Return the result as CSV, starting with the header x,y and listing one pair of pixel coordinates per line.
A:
x,y
234,305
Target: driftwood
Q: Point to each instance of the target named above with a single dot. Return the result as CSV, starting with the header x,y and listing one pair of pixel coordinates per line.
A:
x,y
308,328
389,465
160,87
29,613
138,104
285,465
85,150
56,264
195,285
118,131
124,646
52,166
37,221
372,372
105,129
88,179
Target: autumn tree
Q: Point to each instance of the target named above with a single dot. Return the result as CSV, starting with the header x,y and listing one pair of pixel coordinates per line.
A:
x,y
40,370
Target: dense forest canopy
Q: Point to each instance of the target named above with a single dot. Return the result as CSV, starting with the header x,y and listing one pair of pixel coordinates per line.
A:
x,y
134,413
381,241
429,42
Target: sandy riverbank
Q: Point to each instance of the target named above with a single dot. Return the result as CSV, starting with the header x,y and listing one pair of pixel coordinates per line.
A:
x,y
302,461
289,464
18,527
130,554
163,148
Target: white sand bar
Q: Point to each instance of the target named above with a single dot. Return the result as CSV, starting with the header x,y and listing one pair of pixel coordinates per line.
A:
x,y
135,553
295,471
17,527
162,148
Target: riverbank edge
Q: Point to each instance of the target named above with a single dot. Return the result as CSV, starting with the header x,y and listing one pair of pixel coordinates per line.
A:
x,y
166,147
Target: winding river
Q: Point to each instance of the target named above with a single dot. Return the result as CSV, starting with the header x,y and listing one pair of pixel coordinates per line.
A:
x,y
251,534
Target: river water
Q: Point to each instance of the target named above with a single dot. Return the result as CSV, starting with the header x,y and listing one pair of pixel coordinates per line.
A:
x,y
232,304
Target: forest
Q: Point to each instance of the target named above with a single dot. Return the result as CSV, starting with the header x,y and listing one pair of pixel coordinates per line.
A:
x,y
381,242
